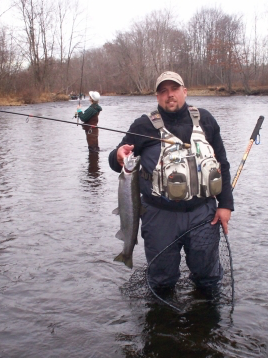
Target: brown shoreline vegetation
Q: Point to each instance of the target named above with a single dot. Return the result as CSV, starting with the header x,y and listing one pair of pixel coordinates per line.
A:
x,y
24,98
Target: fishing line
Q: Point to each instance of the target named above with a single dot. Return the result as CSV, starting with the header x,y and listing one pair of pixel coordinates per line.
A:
x,y
157,256
184,145
253,137
83,58
80,90
139,285
82,71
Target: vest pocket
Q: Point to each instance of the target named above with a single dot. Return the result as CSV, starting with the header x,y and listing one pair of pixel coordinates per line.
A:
x,y
176,181
211,179
176,186
215,182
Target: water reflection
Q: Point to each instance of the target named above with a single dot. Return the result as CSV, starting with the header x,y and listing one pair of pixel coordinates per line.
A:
x,y
167,333
92,174
93,165
192,330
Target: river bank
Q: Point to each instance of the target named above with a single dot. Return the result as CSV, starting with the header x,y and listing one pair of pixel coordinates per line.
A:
x,y
24,98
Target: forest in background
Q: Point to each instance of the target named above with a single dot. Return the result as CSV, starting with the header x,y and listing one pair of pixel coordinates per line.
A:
x,y
47,55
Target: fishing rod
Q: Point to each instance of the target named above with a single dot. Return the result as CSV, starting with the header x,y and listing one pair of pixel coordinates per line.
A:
x,y
82,71
253,138
80,90
169,141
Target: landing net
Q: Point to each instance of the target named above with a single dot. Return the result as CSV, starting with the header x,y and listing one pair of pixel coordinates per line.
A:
x,y
186,293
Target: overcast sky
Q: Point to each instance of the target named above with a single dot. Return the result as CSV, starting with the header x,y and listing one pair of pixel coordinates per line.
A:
x,y
117,15
106,17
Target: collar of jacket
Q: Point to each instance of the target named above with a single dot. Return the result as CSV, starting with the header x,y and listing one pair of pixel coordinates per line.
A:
x,y
96,106
174,115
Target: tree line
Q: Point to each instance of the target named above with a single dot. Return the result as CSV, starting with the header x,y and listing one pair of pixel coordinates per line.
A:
x,y
48,54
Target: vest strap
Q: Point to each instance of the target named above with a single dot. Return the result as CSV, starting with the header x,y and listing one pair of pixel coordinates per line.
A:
x,y
158,123
156,119
195,115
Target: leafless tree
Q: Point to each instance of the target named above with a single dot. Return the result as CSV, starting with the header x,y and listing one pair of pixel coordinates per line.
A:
x,y
215,39
69,39
147,49
38,45
212,49
10,61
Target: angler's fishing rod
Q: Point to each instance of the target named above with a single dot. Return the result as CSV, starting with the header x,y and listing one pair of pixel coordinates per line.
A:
x,y
83,61
169,141
82,71
80,90
253,138
81,80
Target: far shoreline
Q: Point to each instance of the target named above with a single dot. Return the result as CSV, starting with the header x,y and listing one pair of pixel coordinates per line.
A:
x,y
20,100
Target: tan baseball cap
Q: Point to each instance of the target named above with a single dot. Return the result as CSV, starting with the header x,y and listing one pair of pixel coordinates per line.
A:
x,y
169,76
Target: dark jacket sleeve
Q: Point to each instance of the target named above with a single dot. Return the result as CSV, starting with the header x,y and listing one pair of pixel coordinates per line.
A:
x,y
127,139
113,161
113,155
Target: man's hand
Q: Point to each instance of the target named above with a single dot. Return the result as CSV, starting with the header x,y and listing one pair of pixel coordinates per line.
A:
x,y
123,152
223,216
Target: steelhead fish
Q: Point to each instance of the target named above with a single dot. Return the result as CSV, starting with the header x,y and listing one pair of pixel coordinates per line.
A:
x,y
129,208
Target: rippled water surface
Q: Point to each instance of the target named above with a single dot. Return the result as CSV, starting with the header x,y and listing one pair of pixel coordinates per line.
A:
x,y
59,286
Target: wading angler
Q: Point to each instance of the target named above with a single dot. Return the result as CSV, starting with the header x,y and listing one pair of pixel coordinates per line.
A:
x,y
181,185
91,117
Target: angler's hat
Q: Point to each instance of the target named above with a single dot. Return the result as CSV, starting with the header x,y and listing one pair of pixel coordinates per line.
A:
x,y
94,95
169,76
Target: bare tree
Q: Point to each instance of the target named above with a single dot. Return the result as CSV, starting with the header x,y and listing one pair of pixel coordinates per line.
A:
x,y
212,49
10,61
68,37
147,49
215,38
38,19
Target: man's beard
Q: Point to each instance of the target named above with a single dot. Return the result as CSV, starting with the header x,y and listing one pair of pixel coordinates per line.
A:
x,y
175,109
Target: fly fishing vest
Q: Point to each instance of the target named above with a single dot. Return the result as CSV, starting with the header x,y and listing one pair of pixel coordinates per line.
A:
x,y
184,171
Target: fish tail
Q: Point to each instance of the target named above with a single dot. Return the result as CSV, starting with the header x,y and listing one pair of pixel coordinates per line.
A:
x,y
127,260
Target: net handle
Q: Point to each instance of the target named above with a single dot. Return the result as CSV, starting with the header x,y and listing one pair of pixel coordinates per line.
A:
x,y
253,137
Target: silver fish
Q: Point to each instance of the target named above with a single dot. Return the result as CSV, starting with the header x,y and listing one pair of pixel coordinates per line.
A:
x,y
129,208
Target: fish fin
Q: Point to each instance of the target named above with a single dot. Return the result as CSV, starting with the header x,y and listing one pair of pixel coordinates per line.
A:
x,y
127,260
120,235
116,211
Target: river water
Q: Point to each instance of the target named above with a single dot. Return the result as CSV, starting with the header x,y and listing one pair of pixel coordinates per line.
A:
x,y
59,286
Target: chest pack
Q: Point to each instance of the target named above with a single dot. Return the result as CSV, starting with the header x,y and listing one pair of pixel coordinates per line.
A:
x,y
182,172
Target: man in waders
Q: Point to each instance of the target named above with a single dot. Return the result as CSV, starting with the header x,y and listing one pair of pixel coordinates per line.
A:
x,y
182,185
91,116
